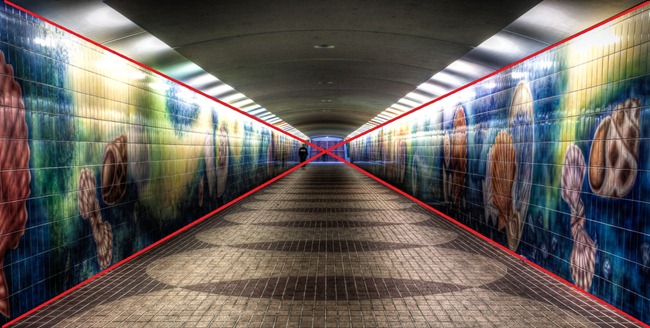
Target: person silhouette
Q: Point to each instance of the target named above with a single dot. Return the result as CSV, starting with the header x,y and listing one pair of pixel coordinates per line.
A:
x,y
302,152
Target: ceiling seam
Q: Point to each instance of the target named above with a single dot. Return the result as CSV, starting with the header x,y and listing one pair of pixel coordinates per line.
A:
x,y
346,31
125,37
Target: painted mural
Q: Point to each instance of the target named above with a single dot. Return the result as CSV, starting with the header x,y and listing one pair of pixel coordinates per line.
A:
x,y
548,157
100,158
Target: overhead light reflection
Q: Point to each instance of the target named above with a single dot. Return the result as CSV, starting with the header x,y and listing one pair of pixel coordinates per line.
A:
x,y
408,103
519,75
448,78
432,88
599,38
151,44
394,111
183,70
500,43
159,86
47,42
489,85
401,107
420,98
107,17
136,75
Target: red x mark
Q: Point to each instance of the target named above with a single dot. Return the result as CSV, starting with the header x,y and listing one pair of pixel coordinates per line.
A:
x,y
322,152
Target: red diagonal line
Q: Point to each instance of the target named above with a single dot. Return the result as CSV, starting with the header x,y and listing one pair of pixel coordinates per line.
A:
x,y
160,241
323,151
492,242
428,207
219,209
345,141
155,71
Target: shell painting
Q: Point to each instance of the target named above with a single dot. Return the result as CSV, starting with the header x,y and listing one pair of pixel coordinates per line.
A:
x,y
114,170
583,255
509,172
222,161
89,209
521,129
14,165
614,155
503,174
459,155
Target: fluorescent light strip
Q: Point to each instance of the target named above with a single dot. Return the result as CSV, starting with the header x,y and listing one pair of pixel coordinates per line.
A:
x,y
251,107
202,80
241,103
408,103
394,111
219,90
233,98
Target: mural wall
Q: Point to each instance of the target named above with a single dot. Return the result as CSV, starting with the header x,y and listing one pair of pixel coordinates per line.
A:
x,y
100,158
549,158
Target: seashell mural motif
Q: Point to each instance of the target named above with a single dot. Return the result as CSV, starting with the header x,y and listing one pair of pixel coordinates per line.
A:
x,y
459,155
86,197
114,170
503,174
583,255
222,161
14,168
208,154
509,172
614,155
521,124
89,210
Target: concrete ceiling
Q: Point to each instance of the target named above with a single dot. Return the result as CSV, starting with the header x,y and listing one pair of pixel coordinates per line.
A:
x,y
279,54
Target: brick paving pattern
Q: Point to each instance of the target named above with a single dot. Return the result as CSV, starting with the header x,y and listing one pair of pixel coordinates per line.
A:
x,y
326,247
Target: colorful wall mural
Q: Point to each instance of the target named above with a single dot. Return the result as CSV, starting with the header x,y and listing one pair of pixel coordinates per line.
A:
x,y
549,158
100,158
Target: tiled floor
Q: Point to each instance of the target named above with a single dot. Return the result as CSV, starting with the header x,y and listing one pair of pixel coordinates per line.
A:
x,y
326,247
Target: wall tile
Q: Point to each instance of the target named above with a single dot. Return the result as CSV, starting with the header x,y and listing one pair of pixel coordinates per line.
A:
x,y
593,88
99,138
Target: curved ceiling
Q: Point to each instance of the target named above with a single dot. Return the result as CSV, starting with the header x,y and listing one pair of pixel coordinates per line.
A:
x,y
328,67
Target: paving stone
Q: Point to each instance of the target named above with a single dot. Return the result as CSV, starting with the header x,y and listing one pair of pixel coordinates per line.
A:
x,y
326,247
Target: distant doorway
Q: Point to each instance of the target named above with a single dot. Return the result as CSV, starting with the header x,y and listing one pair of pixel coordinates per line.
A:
x,y
327,142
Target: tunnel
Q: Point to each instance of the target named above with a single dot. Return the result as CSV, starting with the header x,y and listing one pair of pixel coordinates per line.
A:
x,y
324,164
